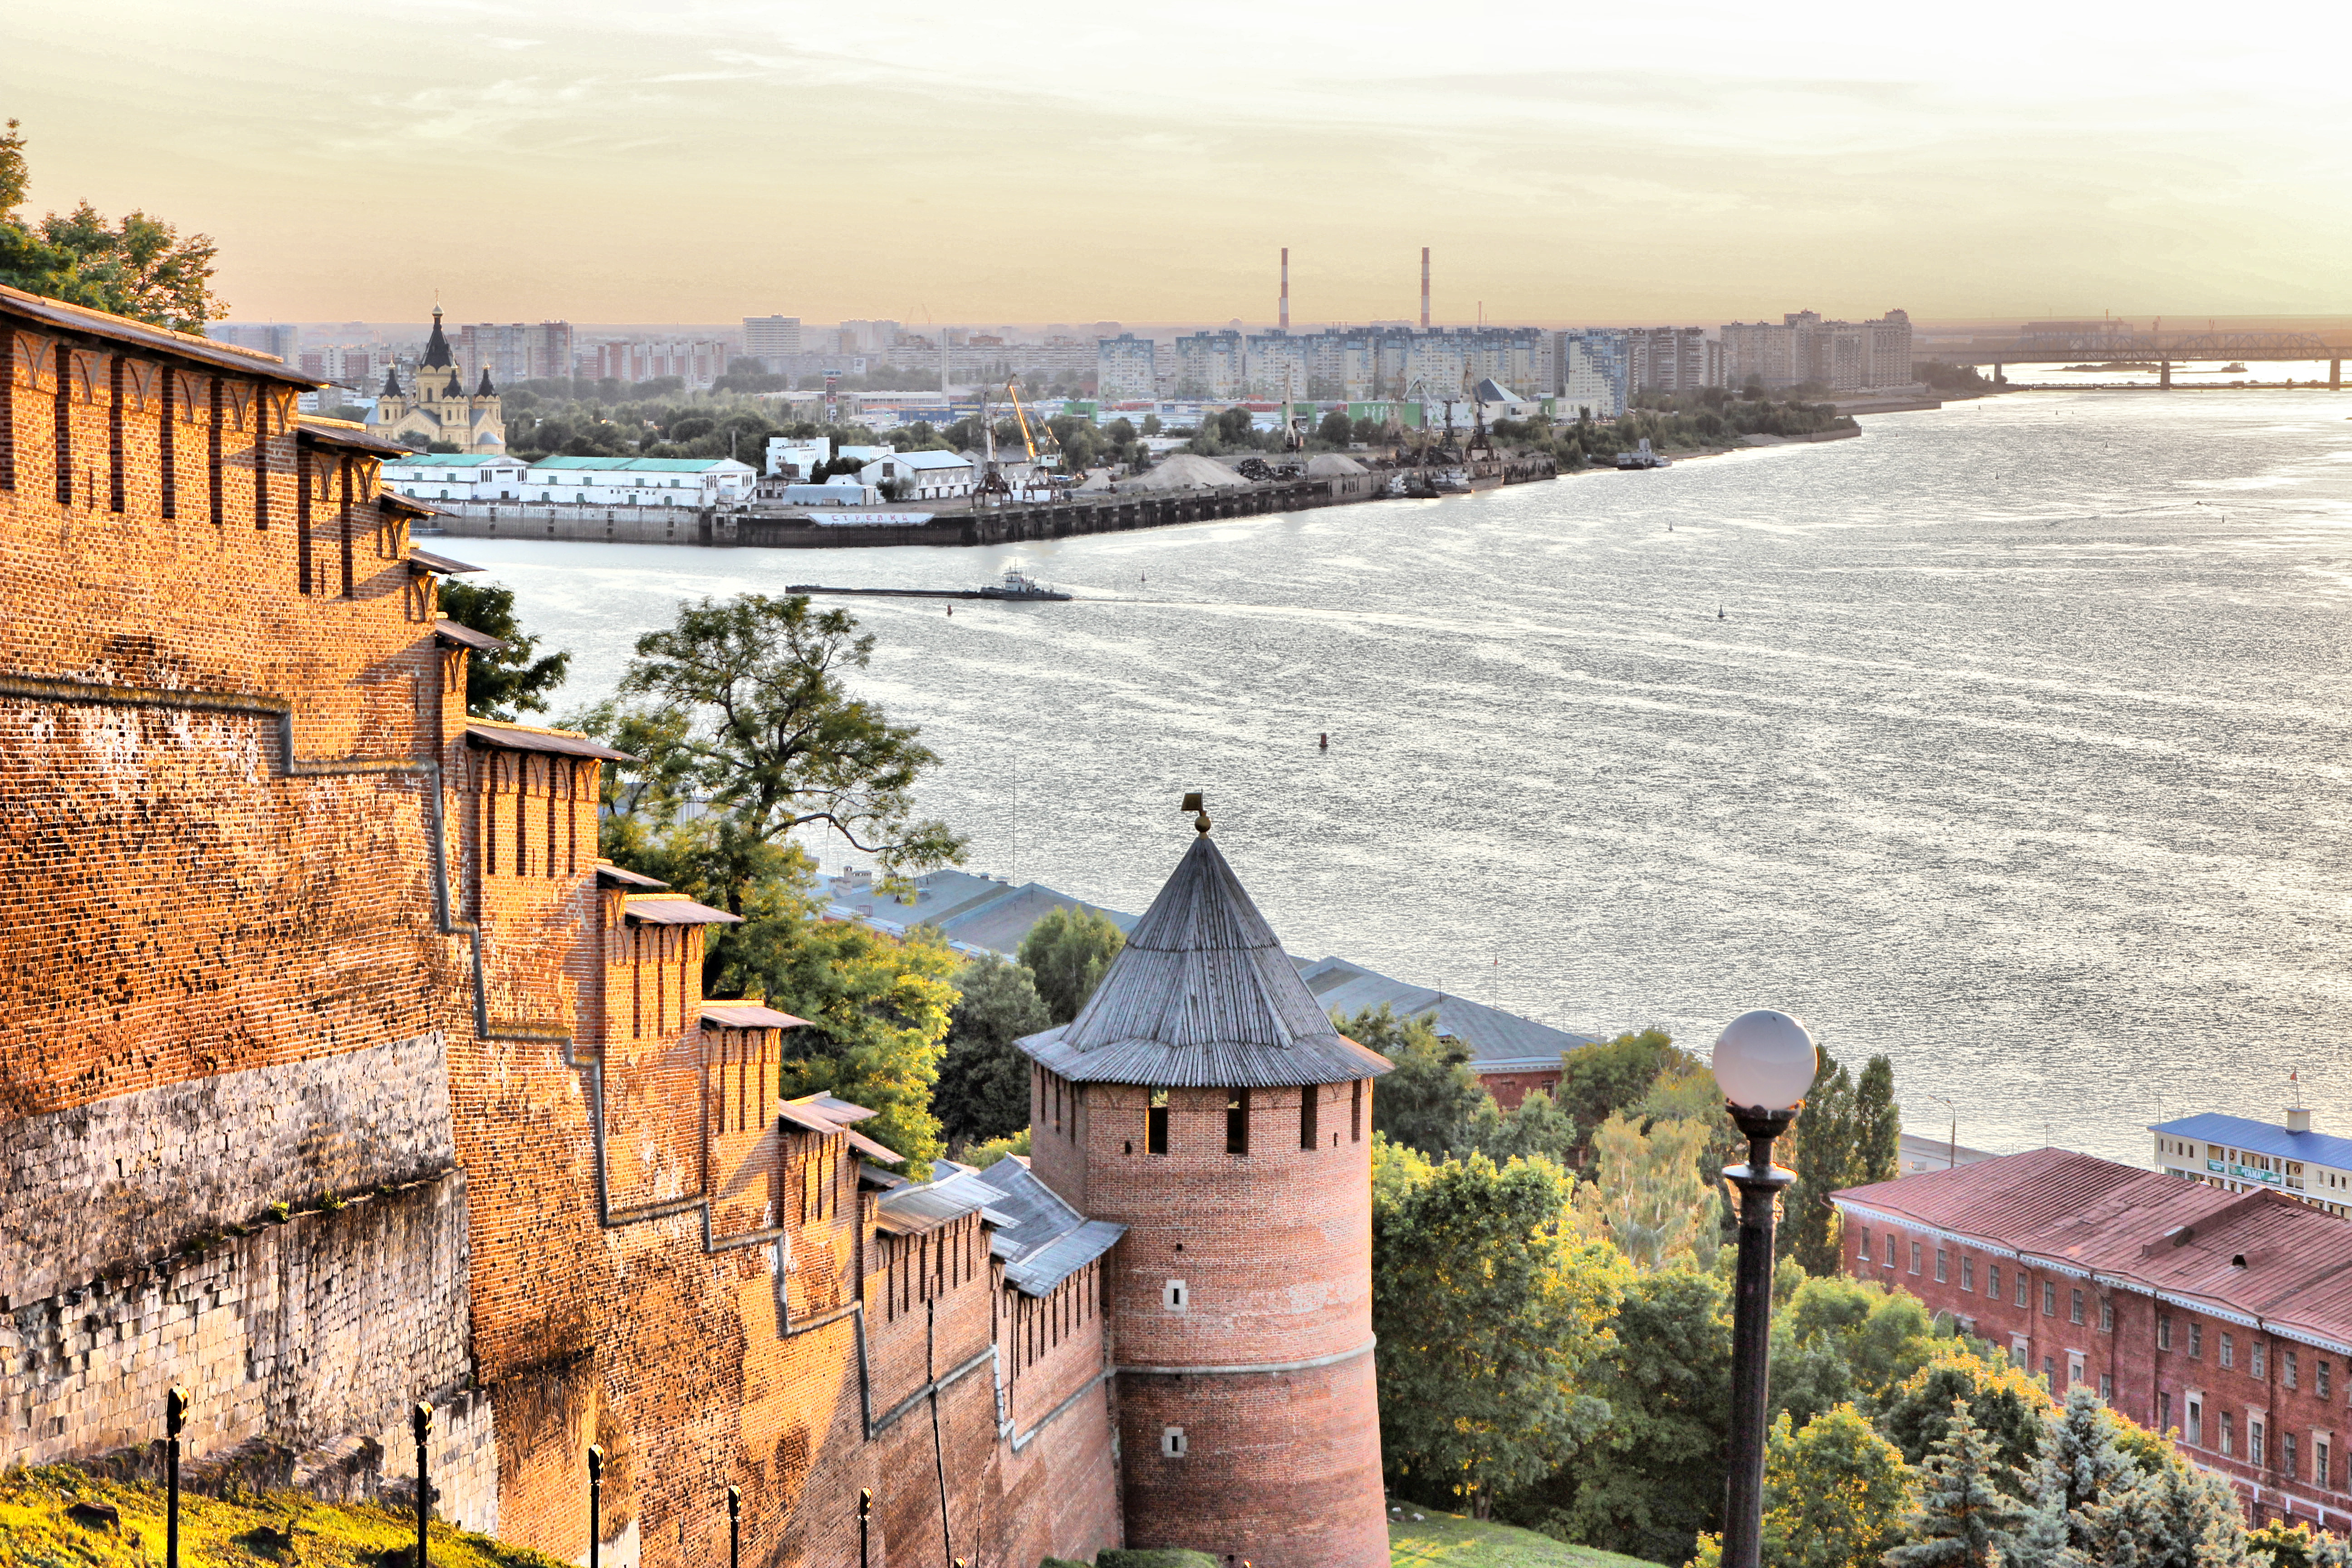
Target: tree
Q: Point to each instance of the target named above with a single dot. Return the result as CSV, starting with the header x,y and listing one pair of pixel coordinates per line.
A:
x,y
881,1006
503,684
1837,1339
1834,1492
141,269
1966,1516
1534,1128
2079,1465
1070,952
2003,1401
1877,1124
1651,1480
1824,1160
752,723
1429,1099
1487,1312
1647,1193
981,1156
984,1089
1336,427
1613,1075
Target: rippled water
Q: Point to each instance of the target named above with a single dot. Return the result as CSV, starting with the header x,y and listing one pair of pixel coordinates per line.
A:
x,y
2018,751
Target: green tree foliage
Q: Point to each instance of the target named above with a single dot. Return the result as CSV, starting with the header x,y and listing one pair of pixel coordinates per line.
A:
x,y
981,1156
1489,1312
1336,429
1070,952
1711,417
1647,1195
1825,1161
984,1089
1598,1081
141,268
509,682
1651,1480
1535,1128
1834,1492
750,717
1967,1515
2079,1466
1429,1102
881,1007
1837,1339
1877,1124
2001,1399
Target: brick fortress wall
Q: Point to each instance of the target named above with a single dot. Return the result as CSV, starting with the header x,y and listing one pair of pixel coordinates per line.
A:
x,y
284,923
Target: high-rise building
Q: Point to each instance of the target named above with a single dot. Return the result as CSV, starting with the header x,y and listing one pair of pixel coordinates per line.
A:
x,y
1672,359
697,364
1212,365
516,351
1592,370
1125,370
1841,356
772,340
280,337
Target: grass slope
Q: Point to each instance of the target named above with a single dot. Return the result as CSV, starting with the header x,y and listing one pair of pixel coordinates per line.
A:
x,y
1452,1540
282,1530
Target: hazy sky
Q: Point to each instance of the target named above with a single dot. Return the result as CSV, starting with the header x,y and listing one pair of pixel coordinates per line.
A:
x,y
699,160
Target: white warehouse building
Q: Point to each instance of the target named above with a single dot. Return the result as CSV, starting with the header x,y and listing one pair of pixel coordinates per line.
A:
x,y
637,481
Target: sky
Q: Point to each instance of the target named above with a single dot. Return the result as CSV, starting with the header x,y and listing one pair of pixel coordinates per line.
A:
x,y
697,160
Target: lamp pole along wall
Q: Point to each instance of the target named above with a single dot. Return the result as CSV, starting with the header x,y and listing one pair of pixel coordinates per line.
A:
x,y
175,1416
420,1421
734,1527
865,1508
595,1501
1764,1063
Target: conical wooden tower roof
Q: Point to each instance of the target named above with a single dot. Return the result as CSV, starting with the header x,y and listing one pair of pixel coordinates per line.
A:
x,y
1202,996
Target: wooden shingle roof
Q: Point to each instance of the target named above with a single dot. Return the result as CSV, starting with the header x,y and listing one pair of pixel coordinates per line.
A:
x,y
1202,996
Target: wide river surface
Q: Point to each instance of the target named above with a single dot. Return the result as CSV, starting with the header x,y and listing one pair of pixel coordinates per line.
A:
x,y
2018,750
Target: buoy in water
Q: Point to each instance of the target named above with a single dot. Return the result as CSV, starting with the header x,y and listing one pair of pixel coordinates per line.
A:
x,y
1324,740
1718,611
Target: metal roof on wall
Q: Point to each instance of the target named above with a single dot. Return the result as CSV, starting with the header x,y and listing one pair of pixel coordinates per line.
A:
x,y
57,314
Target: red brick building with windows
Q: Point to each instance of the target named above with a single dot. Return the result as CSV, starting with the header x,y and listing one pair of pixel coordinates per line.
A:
x,y
337,1072
2225,1318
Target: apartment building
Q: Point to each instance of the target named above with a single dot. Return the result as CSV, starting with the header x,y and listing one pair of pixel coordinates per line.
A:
x,y
1125,369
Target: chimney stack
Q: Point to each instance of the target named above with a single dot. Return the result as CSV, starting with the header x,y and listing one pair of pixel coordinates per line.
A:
x,y
1285,287
2298,1119
1424,288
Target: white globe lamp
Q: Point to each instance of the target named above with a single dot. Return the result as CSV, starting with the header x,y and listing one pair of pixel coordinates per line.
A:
x,y
1765,1061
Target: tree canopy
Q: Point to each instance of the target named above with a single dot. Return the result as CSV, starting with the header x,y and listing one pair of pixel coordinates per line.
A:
x,y
984,1088
1430,1097
141,267
1068,952
508,683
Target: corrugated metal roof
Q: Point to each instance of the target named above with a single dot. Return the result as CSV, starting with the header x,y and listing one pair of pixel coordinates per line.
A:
x,y
123,329
1494,1040
1202,996
674,909
429,562
464,635
522,738
614,876
841,1110
924,1205
313,430
748,1015
2260,1256
2263,1138
1041,1238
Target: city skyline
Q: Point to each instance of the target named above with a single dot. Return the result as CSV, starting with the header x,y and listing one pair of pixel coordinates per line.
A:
x,y
1694,163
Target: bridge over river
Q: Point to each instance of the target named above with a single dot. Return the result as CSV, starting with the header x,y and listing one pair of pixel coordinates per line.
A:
x,y
2160,349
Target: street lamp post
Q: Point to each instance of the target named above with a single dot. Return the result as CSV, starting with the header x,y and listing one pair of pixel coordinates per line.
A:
x,y
1952,1148
1764,1063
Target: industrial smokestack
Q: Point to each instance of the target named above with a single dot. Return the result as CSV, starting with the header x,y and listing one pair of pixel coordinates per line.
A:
x,y
1285,287
1424,288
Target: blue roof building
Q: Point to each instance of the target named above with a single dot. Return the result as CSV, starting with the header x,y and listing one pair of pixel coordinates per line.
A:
x,y
2240,1154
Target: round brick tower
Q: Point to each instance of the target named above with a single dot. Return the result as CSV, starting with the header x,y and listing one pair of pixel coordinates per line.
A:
x,y
1204,1099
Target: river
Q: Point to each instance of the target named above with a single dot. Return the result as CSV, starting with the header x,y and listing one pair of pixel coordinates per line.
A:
x,y
2017,751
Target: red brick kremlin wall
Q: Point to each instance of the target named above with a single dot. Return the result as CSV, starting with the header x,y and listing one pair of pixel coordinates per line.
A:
x,y
243,974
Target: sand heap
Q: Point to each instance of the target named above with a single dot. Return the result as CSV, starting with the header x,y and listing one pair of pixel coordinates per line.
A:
x,y
1184,471
1324,464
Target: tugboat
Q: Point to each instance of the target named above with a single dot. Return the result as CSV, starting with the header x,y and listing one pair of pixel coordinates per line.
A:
x,y
1642,458
1018,585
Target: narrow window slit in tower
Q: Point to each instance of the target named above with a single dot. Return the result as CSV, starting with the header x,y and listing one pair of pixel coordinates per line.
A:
x,y
213,449
167,449
8,410
301,519
65,425
1309,1098
1237,1122
1155,1123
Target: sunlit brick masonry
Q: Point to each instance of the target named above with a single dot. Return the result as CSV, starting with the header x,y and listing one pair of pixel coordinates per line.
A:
x,y
337,1072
